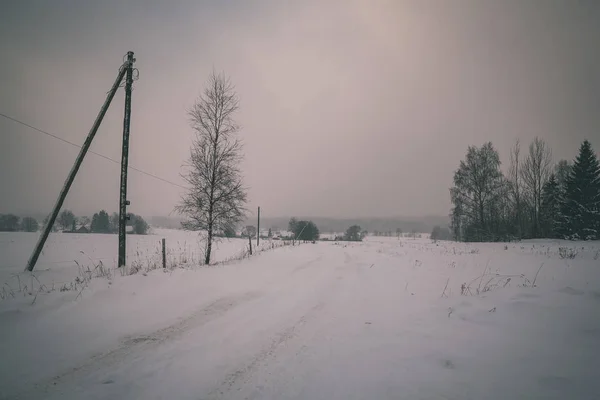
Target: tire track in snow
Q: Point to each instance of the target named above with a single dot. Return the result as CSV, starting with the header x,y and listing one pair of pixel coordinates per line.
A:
x,y
142,343
240,376
198,318
307,264
235,380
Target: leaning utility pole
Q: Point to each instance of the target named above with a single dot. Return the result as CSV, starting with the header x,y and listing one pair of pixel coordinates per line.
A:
x,y
71,177
258,229
123,202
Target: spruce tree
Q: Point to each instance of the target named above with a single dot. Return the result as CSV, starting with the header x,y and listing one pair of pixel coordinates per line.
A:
x,y
551,207
562,170
581,206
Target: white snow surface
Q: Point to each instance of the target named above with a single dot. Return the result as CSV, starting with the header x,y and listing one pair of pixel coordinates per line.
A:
x,y
62,252
381,319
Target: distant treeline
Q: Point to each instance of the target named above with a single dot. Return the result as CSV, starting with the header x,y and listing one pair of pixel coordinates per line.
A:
x,y
384,226
534,198
14,223
67,222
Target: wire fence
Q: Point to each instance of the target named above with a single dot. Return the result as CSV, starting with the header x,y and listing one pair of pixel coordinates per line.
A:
x,y
71,273
140,258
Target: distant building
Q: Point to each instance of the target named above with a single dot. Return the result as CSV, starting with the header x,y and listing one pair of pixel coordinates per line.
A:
x,y
82,229
79,228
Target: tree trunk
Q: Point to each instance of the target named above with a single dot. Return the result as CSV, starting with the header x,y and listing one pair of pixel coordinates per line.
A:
x,y
481,216
208,247
211,204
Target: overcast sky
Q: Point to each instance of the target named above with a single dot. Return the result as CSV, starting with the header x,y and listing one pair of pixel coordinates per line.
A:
x,y
348,108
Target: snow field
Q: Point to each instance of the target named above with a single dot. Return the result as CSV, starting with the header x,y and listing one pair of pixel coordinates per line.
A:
x,y
65,253
380,319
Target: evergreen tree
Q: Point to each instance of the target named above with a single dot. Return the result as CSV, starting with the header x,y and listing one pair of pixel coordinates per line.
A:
x,y
562,170
581,206
550,215
100,223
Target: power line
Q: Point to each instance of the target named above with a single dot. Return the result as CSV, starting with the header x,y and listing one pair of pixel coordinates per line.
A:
x,y
93,152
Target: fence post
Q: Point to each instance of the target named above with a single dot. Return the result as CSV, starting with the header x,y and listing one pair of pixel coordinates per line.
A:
x,y
250,243
258,229
164,254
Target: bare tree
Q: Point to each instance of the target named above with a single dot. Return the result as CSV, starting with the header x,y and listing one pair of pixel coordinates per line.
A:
x,y
514,179
477,187
66,219
535,173
85,221
216,198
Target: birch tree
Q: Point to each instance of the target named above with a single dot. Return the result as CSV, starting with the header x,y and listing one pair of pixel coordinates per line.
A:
x,y
514,179
535,173
216,198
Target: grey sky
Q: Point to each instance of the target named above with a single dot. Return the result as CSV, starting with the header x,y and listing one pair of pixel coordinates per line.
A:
x,y
348,108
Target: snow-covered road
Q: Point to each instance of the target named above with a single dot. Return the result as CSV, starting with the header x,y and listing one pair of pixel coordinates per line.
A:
x,y
363,321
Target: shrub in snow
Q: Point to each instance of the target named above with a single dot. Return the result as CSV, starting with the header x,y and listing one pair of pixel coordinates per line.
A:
x,y
567,252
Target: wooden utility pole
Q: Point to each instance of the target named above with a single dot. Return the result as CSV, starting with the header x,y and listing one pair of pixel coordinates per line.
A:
x,y
123,202
71,177
164,254
258,229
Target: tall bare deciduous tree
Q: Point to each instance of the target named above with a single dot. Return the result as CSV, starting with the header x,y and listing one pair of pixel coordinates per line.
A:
x,y
66,219
478,185
215,201
514,179
535,173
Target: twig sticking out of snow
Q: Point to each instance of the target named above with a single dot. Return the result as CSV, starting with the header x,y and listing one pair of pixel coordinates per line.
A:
x,y
536,275
445,287
5,293
481,280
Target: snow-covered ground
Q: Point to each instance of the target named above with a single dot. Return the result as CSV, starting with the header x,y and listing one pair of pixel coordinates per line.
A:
x,y
63,252
382,319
